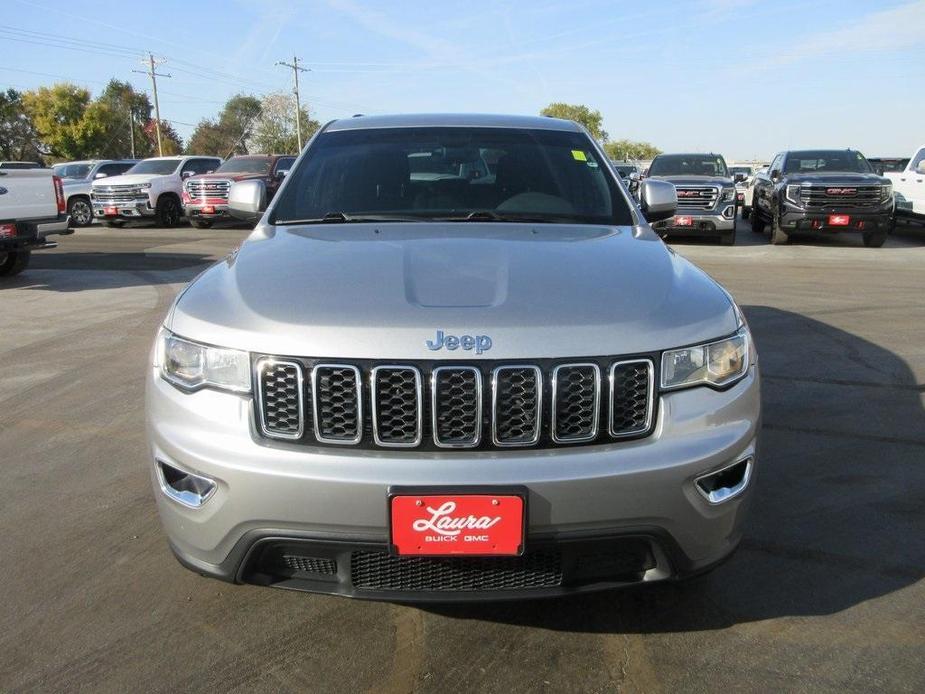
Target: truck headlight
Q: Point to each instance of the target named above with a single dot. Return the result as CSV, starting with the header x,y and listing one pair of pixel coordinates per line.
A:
x,y
191,365
886,192
728,194
793,195
718,364
144,186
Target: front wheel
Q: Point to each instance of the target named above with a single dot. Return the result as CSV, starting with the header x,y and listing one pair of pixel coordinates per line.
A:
x,y
757,221
874,239
168,212
14,262
81,211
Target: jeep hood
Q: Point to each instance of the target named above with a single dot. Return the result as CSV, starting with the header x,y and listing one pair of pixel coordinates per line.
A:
x,y
380,291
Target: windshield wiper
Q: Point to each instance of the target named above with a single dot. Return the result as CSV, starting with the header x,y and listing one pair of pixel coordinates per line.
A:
x,y
344,218
492,216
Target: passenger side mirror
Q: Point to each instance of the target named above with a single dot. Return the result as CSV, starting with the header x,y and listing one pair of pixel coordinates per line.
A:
x,y
634,176
739,177
657,199
281,174
775,174
186,174
247,200
101,175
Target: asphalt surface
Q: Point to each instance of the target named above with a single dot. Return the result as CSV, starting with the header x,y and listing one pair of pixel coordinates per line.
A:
x,y
826,592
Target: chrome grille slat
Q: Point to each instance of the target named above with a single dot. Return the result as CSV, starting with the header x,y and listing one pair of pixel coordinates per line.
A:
x,y
819,196
280,397
516,405
397,404
576,400
208,188
337,402
632,392
697,197
456,406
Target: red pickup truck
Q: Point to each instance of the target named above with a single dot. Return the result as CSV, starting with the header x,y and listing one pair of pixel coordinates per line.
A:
x,y
205,197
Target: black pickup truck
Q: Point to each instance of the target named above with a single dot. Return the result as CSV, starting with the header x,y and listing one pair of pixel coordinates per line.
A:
x,y
825,191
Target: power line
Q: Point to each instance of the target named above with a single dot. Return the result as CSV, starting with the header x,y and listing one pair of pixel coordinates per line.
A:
x,y
294,65
154,74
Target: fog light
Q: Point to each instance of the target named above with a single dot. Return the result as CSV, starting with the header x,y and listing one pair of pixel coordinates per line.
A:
x,y
729,212
184,487
725,484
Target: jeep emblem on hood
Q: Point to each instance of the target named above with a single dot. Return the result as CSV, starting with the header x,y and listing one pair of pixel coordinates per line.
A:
x,y
480,343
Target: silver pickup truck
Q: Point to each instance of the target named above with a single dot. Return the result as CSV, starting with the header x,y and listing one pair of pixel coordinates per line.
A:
x,y
32,208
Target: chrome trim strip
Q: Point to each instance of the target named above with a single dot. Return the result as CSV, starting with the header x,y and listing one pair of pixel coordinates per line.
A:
x,y
494,404
419,404
597,402
650,401
359,391
188,499
478,412
724,494
258,369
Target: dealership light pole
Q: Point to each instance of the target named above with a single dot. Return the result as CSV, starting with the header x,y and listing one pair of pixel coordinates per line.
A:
x,y
151,72
296,69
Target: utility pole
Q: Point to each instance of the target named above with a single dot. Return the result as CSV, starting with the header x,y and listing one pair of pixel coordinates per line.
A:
x,y
131,128
151,72
296,69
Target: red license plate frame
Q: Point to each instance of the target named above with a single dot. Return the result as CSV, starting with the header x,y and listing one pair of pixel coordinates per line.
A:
x,y
441,522
684,221
839,220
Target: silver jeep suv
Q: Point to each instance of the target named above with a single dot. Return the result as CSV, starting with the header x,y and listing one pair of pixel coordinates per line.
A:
x,y
453,361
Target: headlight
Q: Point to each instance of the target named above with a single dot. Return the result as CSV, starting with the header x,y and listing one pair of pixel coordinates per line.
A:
x,y
717,364
886,192
793,195
144,186
191,365
728,194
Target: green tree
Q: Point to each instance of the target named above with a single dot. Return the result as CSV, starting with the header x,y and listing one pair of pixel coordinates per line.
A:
x,y
591,119
18,139
127,113
231,132
61,118
623,150
275,131
171,141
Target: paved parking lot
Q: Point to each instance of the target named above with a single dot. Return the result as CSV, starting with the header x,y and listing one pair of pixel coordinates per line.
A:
x,y
825,593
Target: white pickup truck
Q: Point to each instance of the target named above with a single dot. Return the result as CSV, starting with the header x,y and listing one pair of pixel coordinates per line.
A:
x,y
32,208
909,187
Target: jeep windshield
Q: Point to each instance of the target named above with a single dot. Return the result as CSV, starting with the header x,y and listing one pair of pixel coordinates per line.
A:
x,y
160,167
688,165
257,165
465,174
817,161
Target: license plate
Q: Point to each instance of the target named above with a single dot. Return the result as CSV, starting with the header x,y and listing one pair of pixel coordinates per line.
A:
x,y
208,209
111,210
839,220
683,221
446,524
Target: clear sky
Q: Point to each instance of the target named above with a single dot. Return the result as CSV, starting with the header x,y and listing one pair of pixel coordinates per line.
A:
x,y
744,78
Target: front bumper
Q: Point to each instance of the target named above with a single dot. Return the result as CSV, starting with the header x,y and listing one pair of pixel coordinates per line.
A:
x,y
331,503
865,219
709,223
123,210
206,211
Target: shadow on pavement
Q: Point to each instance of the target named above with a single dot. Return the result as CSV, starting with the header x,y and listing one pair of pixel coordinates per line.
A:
x,y
836,519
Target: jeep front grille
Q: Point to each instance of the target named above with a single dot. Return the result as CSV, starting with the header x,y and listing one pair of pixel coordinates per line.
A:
x,y
697,197
434,405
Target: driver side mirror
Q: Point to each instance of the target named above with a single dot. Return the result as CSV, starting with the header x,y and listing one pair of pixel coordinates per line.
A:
x,y
247,200
186,174
281,174
921,167
775,174
739,177
657,199
101,175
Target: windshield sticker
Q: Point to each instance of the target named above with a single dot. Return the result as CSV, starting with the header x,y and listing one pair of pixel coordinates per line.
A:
x,y
578,155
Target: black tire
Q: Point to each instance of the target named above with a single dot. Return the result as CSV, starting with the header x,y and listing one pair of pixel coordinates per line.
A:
x,y
757,222
168,211
14,262
778,236
746,213
113,223
874,239
201,224
81,211
728,239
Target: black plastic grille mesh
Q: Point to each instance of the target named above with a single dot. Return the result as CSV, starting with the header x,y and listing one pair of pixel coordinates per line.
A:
x,y
518,399
381,571
311,565
337,405
457,406
280,386
630,405
398,405
576,397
